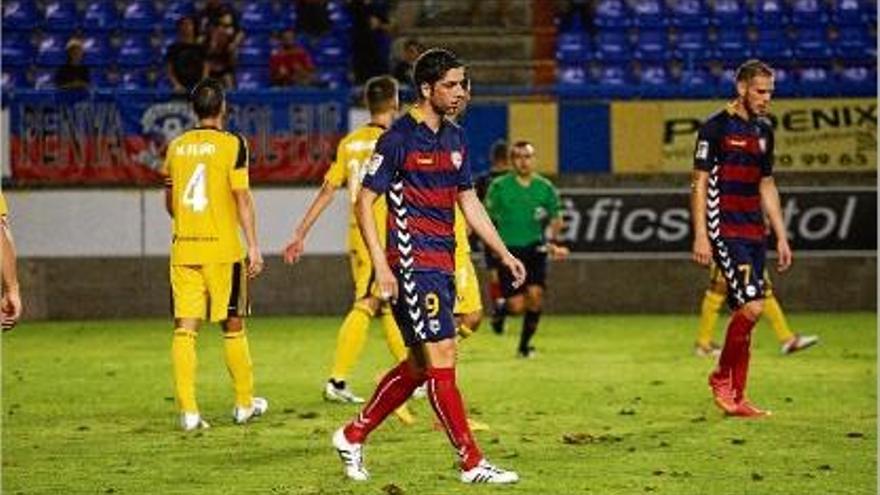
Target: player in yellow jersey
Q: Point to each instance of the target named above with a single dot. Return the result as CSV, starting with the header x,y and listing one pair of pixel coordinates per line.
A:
x,y
352,159
208,197
10,303
715,296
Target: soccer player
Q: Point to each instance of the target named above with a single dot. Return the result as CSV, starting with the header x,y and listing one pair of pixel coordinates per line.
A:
x,y
10,302
499,165
522,204
733,189
715,295
352,158
421,164
208,197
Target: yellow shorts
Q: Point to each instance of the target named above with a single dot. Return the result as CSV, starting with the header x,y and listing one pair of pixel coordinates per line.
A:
x,y
467,287
362,274
719,285
222,285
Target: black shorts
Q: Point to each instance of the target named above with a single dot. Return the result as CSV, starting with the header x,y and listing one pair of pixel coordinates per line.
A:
x,y
491,260
742,265
534,258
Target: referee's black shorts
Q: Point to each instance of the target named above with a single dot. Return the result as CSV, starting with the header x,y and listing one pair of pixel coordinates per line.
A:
x,y
534,258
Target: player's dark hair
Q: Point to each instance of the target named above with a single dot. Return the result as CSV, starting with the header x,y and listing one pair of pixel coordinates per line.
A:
x,y
498,151
431,66
207,98
752,68
380,93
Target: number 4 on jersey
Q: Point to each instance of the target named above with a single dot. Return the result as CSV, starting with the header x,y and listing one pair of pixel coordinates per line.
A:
x,y
195,196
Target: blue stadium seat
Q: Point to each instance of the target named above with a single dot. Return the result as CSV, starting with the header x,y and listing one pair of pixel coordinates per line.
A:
x,y
100,15
340,17
692,46
97,50
815,80
696,76
135,50
769,13
572,75
44,78
850,12
853,43
175,10
20,15
61,15
100,78
652,45
287,15
250,78
613,46
731,46
812,13
650,14
614,74
139,15
17,50
13,79
334,77
811,44
612,14
52,50
133,79
689,14
729,14
330,51
654,75
573,48
773,44
254,50
860,74
258,17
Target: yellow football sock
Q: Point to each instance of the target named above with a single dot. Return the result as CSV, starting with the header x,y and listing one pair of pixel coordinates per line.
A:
x,y
393,337
350,341
773,311
464,331
241,369
183,361
710,307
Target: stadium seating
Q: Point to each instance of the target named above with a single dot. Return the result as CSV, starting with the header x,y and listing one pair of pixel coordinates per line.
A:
x,y
692,47
139,15
731,45
773,44
650,14
175,10
249,78
287,16
330,51
134,79
254,50
17,50
61,16
258,17
689,14
13,79
811,44
52,50
809,13
97,50
729,14
652,45
612,14
100,15
849,12
135,51
44,78
20,15
333,77
613,46
854,44
770,13
573,48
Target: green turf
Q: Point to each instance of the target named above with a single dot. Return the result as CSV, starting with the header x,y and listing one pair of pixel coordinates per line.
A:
x,y
87,408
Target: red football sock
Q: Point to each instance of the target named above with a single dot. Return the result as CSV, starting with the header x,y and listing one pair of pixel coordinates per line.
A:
x,y
447,404
734,360
395,388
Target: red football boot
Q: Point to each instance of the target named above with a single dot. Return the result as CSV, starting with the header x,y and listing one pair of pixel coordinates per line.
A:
x,y
722,390
745,409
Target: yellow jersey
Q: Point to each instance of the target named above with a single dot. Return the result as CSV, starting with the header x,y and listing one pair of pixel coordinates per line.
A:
x,y
204,166
352,160
462,244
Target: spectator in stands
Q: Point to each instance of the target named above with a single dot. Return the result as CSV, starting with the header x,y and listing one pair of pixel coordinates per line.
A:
x,y
73,74
369,38
502,12
290,64
185,59
410,51
312,17
221,53
219,14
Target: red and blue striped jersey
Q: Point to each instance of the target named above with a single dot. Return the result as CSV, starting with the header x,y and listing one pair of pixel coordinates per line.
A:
x,y
421,173
737,154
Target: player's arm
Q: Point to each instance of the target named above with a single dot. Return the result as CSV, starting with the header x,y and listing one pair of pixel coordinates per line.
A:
x,y
773,209
239,181
479,221
367,223
166,178
296,245
704,160
10,307
554,247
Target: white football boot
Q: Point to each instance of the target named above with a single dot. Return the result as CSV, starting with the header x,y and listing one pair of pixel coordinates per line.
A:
x,y
344,395
485,472
352,456
242,415
192,421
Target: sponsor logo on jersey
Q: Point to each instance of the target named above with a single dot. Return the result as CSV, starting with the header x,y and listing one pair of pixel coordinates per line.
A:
x,y
702,150
456,159
375,163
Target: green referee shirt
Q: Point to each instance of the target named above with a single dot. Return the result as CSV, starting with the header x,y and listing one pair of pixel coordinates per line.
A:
x,y
521,213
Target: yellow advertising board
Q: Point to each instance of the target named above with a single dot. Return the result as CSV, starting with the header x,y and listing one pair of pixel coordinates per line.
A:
x,y
812,135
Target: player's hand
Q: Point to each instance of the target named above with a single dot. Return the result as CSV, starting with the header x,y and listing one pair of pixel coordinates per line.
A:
x,y
516,269
255,263
557,252
387,283
783,251
294,248
702,251
10,309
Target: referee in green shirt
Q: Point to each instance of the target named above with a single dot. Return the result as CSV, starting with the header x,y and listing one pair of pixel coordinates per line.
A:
x,y
522,204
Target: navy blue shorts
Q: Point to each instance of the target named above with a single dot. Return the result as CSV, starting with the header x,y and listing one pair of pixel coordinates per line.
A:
x,y
534,258
423,310
742,264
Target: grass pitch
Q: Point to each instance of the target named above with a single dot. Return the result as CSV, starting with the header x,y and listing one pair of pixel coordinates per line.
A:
x,y
612,405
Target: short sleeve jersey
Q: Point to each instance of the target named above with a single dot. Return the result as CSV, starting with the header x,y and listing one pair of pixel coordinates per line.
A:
x,y
3,208
204,166
421,173
521,213
737,154
352,159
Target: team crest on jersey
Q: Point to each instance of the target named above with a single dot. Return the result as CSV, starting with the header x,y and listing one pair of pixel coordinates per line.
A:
x,y
702,150
375,163
762,143
159,125
455,156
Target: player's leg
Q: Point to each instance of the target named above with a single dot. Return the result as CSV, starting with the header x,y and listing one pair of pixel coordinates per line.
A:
x,y
190,306
709,310
790,342
496,296
228,289
468,306
534,305
514,302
